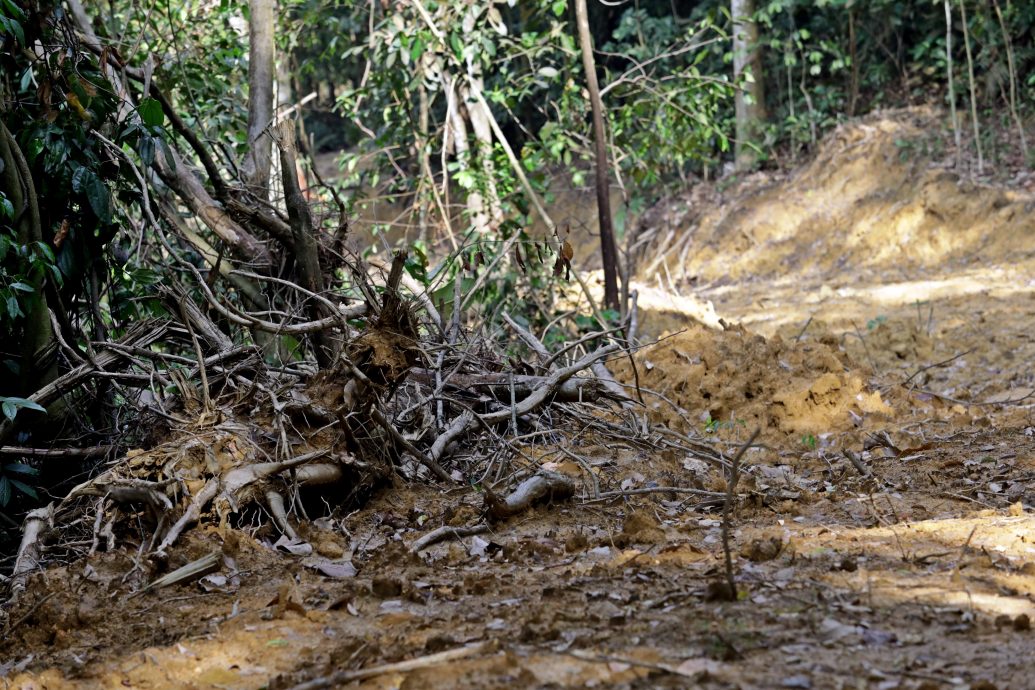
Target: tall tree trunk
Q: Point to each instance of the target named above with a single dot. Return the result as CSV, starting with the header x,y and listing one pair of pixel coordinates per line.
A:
x,y
256,166
952,89
306,250
608,249
457,136
483,145
750,96
39,366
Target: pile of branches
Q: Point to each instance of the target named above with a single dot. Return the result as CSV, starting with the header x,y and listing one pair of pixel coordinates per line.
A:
x,y
406,394
379,383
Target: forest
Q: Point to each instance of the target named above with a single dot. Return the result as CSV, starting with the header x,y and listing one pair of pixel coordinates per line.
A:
x,y
532,344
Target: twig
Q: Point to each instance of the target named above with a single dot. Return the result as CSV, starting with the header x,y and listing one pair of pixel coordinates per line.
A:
x,y
445,532
804,328
28,614
608,495
866,347
731,488
430,463
980,403
56,452
937,364
857,463
339,678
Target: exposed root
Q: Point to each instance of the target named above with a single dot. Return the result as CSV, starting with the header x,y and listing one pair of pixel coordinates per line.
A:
x,y
544,485
30,549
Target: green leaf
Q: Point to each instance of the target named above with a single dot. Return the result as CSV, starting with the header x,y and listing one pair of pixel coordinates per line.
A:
x,y
5,491
44,249
146,146
25,489
417,49
6,207
23,403
12,9
22,287
13,310
79,179
21,468
151,114
34,149
12,27
98,196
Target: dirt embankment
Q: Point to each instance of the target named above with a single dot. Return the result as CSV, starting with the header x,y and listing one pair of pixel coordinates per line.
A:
x,y
877,196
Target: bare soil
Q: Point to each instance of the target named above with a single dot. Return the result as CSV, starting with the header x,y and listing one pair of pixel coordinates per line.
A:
x,y
884,537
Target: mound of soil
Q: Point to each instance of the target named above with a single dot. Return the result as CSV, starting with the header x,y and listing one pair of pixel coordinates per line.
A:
x,y
875,196
732,380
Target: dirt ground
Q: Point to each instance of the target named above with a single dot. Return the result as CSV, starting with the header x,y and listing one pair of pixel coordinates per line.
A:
x,y
878,331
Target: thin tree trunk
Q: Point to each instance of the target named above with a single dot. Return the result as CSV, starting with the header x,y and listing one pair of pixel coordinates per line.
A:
x,y
456,133
1013,80
38,342
973,89
257,161
306,251
608,248
749,100
483,143
853,92
952,87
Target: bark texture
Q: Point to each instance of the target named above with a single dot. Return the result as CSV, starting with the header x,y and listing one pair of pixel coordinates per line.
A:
x,y
256,166
608,247
750,96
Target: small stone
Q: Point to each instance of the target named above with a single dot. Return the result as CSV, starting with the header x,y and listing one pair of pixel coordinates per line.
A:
x,y
762,550
576,542
848,564
1022,623
386,587
328,547
1003,621
719,590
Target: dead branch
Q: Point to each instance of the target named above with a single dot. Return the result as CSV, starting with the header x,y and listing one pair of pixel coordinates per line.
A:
x,y
499,386
339,678
56,452
30,548
533,342
192,571
727,508
446,532
306,255
543,485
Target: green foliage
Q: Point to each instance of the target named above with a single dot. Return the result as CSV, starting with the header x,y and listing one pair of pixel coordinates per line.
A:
x,y
22,268
11,406
875,322
11,19
12,478
713,426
